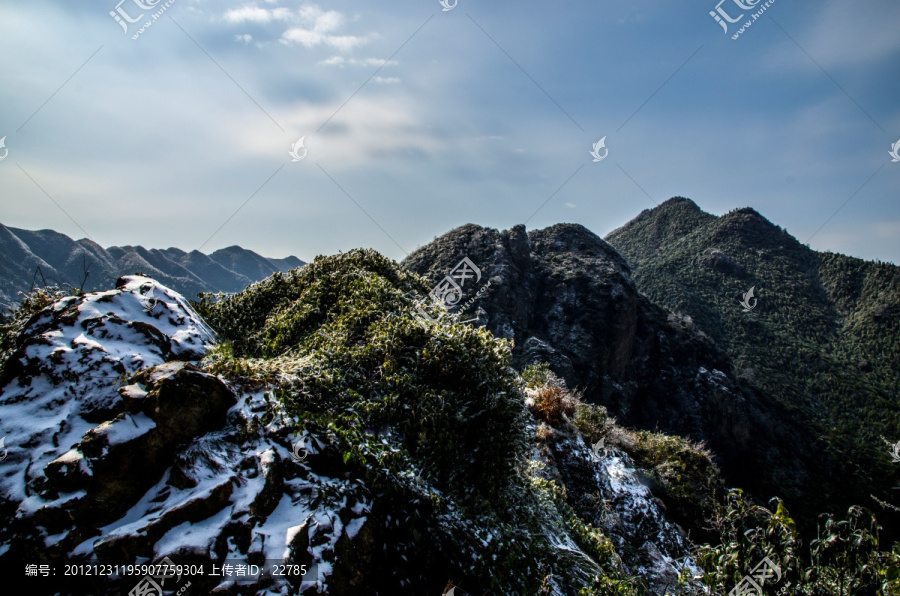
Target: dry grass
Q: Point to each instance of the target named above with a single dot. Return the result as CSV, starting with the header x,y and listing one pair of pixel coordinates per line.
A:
x,y
543,433
553,404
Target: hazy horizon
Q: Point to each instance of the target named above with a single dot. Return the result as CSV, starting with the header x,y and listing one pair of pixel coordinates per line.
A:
x,y
309,258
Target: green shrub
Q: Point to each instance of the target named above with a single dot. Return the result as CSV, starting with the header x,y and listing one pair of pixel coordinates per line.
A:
x,y
686,479
538,375
430,417
447,392
843,560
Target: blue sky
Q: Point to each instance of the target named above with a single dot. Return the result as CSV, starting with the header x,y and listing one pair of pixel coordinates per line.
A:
x,y
482,114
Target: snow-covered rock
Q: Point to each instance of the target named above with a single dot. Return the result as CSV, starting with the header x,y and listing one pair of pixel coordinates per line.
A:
x,y
121,452
62,380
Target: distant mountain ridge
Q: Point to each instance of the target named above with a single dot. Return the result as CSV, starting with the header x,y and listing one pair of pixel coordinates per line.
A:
x,y
41,257
822,338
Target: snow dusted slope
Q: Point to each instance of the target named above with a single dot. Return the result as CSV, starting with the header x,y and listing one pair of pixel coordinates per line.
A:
x,y
62,380
103,470
121,452
662,549
648,544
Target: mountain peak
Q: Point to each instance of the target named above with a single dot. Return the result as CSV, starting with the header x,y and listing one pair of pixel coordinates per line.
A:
x,y
747,214
234,248
748,227
683,202
676,217
769,300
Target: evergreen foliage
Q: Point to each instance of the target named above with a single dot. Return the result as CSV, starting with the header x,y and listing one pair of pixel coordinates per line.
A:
x,y
823,338
429,416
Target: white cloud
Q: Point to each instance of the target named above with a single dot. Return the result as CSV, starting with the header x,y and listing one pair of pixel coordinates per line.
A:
x,y
310,25
386,80
251,13
312,37
366,133
245,38
318,26
342,61
322,21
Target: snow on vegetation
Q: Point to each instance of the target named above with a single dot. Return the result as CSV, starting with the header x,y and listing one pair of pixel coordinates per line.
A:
x,y
328,428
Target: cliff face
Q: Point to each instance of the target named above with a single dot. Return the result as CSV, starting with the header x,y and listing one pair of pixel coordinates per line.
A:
x,y
565,296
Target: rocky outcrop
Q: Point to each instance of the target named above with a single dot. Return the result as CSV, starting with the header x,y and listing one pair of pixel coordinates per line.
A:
x,y
717,260
565,296
118,460
605,488
122,451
